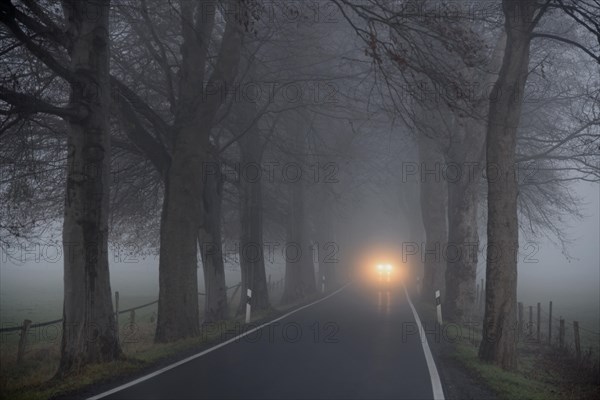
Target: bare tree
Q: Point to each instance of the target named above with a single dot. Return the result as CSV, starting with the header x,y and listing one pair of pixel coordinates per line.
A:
x,y
89,334
498,344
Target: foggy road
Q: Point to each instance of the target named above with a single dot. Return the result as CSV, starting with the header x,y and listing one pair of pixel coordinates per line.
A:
x,y
349,345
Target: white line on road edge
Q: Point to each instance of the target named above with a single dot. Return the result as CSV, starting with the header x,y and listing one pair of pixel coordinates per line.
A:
x,y
202,353
436,384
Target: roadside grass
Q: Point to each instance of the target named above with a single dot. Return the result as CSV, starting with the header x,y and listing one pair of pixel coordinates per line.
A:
x,y
507,385
33,379
542,372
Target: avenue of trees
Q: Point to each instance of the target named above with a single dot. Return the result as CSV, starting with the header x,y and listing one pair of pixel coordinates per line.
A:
x,y
143,121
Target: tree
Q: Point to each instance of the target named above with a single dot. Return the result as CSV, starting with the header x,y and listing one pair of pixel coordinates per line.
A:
x,y
252,260
185,182
299,269
498,344
434,203
89,334
499,330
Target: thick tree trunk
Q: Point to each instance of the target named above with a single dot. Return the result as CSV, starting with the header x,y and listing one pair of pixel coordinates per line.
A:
x,y
463,174
499,340
198,104
462,248
464,166
433,199
178,315
252,261
299,269
211,248
328,249
89,334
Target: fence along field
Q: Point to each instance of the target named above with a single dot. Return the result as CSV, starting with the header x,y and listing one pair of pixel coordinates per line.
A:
x,y
539,325
134,324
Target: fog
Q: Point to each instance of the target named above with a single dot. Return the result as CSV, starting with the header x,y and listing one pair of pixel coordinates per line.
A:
x,y
572,282
335,165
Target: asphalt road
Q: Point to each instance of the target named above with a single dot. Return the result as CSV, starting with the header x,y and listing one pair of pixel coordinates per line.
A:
x,y
350,345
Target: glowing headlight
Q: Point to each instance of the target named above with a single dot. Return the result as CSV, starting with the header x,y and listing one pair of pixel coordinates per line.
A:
x,y
379,267
388,268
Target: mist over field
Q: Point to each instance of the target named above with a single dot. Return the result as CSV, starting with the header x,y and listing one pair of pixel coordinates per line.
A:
x,y
31,289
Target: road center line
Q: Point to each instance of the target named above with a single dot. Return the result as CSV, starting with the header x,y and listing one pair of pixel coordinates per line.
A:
x,y
202,353
436,384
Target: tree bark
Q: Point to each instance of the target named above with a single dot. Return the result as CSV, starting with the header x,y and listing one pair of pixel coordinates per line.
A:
x,y
327,247
461,251
499,341
299,269
463,167
178,315
252,262
89,334
198,104
211,248
433,199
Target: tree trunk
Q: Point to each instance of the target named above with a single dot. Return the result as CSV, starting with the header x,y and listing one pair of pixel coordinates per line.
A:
x,y
433,199
499,340
252,261
198,104
463,172
299,269
211,249
463,244
178,315
328,249
89,334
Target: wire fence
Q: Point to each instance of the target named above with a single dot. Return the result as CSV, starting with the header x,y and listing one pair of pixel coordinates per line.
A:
x,y
57,321
539,324
26,327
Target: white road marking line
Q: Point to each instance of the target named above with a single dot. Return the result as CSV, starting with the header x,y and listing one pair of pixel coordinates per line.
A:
x,y
202,353
436,384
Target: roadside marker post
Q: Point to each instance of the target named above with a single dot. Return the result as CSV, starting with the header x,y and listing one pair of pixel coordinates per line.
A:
x,y
323,284
248,307
438,306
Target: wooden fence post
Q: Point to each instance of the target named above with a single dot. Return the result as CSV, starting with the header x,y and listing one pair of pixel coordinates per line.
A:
x,y
520,319
23,340
550,323
530,321
539,322
577,342
561,333
132,317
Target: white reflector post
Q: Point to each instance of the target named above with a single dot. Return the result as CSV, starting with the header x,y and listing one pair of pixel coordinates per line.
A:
x,y
323,284
438,306
248,299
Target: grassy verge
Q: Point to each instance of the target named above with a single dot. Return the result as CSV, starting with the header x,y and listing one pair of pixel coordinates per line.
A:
x,y
507,385
541,373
